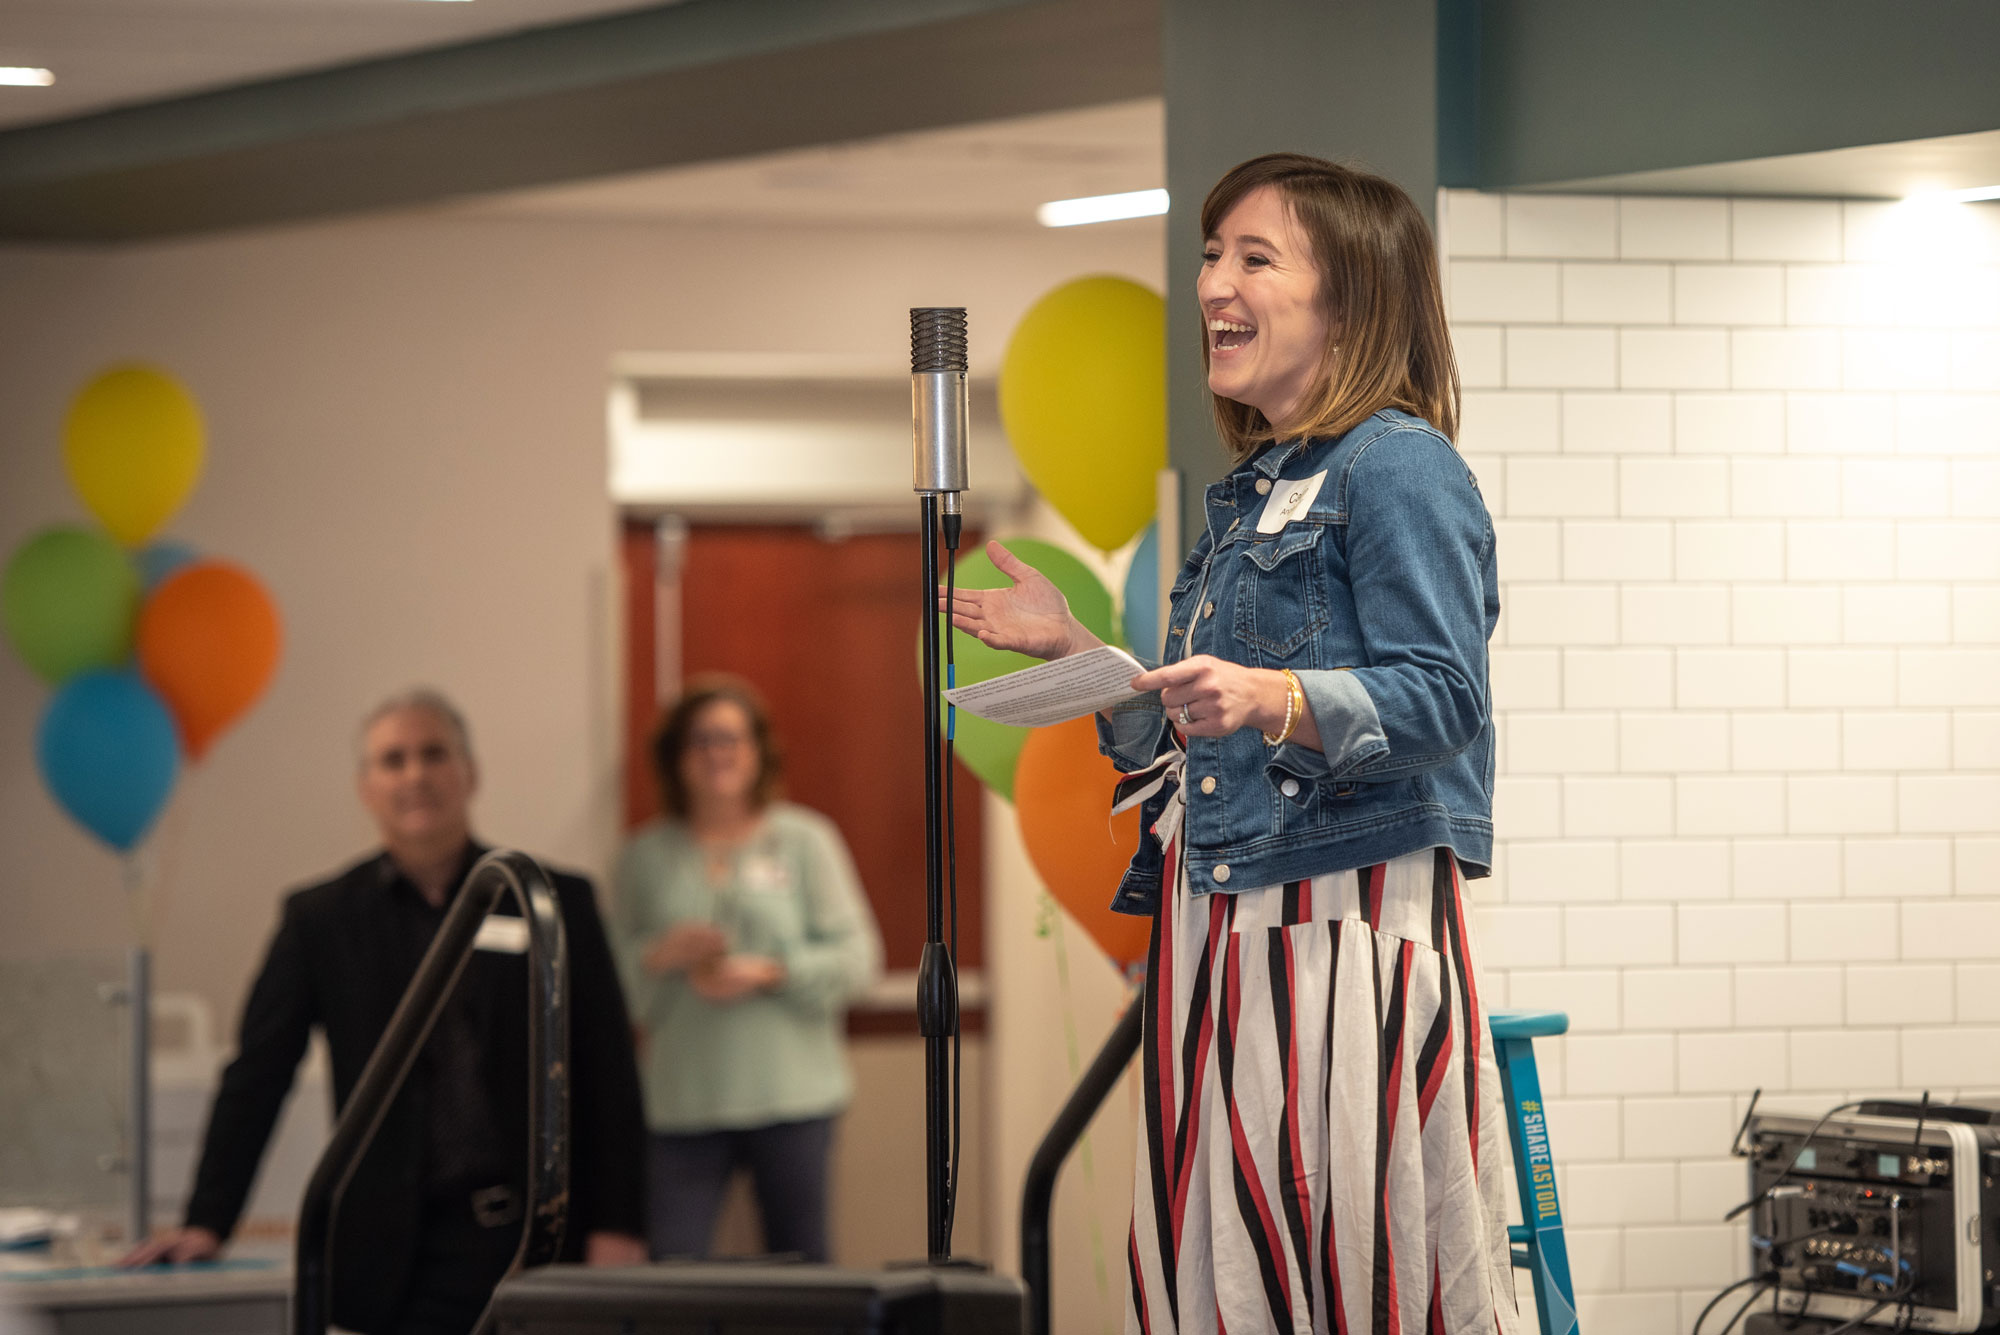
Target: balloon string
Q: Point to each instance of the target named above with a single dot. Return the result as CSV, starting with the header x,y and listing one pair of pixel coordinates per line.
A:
x,y
170,844
1059,934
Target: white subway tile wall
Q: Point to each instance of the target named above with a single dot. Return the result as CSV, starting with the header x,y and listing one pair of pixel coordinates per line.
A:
x,y
1744,462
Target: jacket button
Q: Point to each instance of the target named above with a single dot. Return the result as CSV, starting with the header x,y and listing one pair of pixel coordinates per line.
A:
x,y
1208,784
1290,787
1221,873
1208,611
1263,486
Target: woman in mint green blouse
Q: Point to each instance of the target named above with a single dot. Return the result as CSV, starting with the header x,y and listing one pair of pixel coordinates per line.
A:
x,y
742,932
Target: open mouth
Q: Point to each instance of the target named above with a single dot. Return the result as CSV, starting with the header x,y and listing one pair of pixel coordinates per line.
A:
x,y
1229,335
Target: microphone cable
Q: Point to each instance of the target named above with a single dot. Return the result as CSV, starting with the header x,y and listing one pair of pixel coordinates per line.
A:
x,y
1759,1280
952,522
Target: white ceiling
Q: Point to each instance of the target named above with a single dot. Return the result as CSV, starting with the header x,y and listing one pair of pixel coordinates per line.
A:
x,y
991,174
106,53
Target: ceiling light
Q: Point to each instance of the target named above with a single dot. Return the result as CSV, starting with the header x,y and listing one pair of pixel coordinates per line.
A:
x,y
1102,208
1971,196
25,76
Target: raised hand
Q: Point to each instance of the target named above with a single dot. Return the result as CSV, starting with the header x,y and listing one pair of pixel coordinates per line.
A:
x,y
1030,617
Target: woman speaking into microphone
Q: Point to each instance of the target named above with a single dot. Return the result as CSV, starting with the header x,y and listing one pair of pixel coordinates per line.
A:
x,y
1321,1147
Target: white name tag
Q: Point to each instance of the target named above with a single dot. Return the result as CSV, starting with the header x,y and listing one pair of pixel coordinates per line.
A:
x,y
508,936
1288,500
764,872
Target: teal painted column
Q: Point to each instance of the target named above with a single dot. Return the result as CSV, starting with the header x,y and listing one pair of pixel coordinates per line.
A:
x,y
1352,80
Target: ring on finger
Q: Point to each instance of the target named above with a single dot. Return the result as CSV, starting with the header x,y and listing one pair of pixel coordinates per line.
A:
x,y
1186,720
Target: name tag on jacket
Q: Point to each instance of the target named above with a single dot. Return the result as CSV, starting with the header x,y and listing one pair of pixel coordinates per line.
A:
x,y
1289,500
506,936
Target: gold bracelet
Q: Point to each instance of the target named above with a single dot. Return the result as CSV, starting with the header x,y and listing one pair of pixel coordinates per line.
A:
x,y
1295,708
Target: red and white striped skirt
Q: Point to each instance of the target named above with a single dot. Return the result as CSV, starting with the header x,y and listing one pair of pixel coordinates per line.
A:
x,y
1322,1150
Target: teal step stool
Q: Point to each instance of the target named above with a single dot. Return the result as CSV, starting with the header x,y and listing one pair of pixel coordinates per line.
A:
x,y
1538,1242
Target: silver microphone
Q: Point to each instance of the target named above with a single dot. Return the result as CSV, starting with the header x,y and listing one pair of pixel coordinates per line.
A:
x,y
938,403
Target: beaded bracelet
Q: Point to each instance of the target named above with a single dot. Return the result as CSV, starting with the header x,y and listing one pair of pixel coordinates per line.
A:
x,y
1295,708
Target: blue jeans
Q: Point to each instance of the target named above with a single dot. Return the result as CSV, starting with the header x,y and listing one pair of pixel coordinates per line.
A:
x,y
787,1163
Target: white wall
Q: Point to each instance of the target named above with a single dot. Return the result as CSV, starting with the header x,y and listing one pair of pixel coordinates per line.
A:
x,y
408,422
1745,459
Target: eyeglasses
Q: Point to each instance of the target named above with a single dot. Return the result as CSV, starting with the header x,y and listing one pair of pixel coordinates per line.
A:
x,y
717,741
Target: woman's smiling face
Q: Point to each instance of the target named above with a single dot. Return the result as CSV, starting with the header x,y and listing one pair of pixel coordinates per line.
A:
x,y
1259,291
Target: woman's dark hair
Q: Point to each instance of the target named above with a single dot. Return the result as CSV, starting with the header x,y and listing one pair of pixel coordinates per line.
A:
x,y
670,743
1387,342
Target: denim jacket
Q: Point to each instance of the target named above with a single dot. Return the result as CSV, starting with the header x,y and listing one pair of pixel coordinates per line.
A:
x,y
1365,564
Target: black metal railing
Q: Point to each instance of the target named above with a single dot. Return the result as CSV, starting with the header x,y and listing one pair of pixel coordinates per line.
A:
x,y
499,873
1039,1191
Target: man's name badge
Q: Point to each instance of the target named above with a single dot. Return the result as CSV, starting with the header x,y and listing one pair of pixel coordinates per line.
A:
x,y
504,935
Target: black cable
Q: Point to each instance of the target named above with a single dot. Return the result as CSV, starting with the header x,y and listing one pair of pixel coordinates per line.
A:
x,y
1859,1321
1717,1299
1900,1295
1748,1303
951,530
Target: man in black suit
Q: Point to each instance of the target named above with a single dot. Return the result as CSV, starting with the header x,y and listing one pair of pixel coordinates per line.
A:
x,y
433,1214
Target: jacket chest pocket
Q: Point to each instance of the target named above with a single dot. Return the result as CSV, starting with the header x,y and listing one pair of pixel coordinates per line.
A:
x,y
1281,605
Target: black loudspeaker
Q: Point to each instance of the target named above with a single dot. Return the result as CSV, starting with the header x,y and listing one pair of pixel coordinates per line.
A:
x,y
758,1298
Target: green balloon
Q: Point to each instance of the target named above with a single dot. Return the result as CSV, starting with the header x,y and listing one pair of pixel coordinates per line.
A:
x,y
68,600
991,750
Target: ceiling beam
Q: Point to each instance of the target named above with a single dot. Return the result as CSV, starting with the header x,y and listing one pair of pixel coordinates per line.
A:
x,y
1582,92
696,81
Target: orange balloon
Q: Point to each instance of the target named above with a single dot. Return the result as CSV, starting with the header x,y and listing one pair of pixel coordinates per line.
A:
x,y
1062,793
208,643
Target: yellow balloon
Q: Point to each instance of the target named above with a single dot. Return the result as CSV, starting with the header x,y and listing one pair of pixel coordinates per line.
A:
x,y
1083,396
133,444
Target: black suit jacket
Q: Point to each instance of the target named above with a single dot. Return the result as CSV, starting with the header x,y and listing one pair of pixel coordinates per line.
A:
x,y
336,963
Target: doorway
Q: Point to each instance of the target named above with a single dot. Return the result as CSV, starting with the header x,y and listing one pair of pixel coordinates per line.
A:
x,y
825,626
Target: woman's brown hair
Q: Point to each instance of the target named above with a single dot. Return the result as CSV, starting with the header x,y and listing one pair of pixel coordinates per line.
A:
x,y
1387,343
671,742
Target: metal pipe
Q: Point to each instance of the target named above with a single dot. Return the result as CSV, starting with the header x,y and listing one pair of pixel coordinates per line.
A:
x,y
500,872
140,999
1038,1192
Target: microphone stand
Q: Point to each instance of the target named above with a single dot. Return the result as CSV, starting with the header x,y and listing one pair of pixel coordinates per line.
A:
x,y
938,427
937,979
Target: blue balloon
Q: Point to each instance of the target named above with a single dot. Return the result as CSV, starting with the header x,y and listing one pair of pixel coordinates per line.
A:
x,y
1142,597
157,560
109,753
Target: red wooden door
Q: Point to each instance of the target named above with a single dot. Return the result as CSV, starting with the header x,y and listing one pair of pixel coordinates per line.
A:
x,y
827,630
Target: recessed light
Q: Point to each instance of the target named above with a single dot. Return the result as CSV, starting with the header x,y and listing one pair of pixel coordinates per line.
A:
x,y
1102,208
25,76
